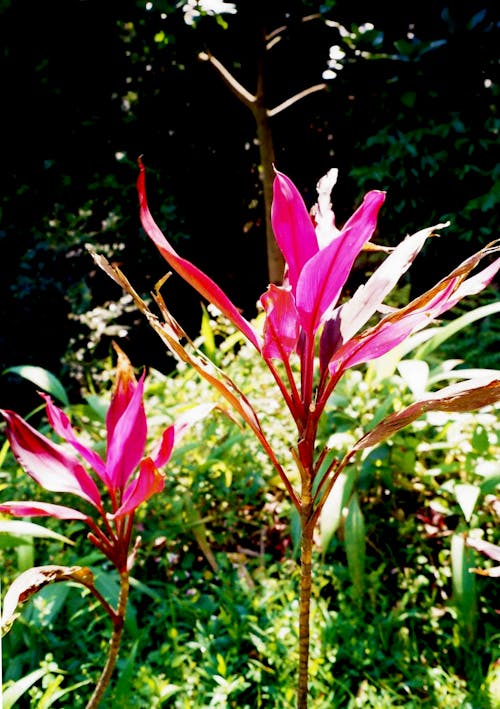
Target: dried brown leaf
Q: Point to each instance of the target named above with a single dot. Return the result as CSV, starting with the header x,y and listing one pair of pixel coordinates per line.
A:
x,y
465,396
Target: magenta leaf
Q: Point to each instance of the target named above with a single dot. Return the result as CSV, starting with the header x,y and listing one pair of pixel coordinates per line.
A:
x,y
127,440
324,275
368,297
281,328
148,482
48,463
29,508
199,280
62,426
292,226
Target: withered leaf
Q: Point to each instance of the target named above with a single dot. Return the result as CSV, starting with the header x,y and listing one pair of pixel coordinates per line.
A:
x,y
465,396
32,580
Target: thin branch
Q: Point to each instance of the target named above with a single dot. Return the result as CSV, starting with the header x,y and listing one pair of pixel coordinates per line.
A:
x,y
293,99
234,85
279,30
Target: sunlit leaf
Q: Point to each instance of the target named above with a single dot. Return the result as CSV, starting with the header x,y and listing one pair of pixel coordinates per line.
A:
x,y
20,529
467,497
16,691
465,396
42,378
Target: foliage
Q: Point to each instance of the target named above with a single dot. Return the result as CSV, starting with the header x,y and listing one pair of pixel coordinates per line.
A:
x,y
413,108
212,616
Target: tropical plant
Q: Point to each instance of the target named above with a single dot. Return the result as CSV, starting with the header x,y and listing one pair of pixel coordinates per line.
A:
x,y
310,338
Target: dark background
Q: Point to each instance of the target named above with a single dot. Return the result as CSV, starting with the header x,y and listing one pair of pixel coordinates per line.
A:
x,y
88,86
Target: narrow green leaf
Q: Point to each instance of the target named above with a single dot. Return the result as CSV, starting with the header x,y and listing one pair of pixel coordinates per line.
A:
x,y
331,514
16,691
123,687
199,531
455,326
21,529
41,378
52,695
464,586
355,545
207,334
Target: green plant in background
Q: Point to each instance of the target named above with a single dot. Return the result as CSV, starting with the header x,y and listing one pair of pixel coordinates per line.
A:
x,y
399,648
111,523
309,339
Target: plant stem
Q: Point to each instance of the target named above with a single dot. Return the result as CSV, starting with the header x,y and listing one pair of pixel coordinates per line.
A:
x,y
114,643
305,595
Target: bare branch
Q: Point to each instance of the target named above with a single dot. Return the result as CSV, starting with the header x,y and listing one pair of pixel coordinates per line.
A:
x,y
293,99
279,30
240,92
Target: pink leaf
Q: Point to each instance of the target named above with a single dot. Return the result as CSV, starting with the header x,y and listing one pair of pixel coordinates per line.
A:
x,y
281,329
368,297
62,426
173,434
324,275
127,440
199,280
292,226
27,508
48,463
486,548
148,482
123,391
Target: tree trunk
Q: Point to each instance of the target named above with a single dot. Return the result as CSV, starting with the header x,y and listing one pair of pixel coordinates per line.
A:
x,y
275,260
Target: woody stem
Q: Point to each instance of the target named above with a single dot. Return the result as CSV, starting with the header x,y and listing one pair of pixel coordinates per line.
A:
x,y
114,643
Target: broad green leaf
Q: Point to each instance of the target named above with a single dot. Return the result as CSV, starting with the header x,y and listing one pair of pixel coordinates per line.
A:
x,y
98,405
47,605
41,378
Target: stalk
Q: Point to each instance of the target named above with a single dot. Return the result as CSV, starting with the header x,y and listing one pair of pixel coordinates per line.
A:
x,y
114,643
305,593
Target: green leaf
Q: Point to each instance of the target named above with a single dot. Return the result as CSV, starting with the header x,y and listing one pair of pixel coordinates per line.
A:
x,y
455,326
16,691
331,514
123,687
41,378
467,496
207,334
464,586
355,545
18,529
52,694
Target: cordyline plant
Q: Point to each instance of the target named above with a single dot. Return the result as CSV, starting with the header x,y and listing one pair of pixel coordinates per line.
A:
x,y
129,478
310,337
